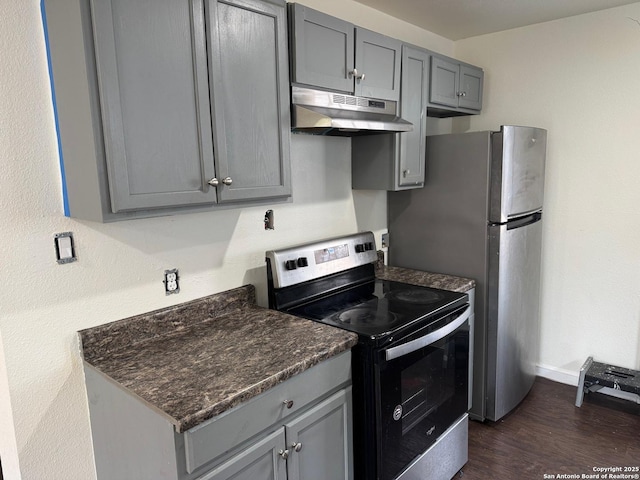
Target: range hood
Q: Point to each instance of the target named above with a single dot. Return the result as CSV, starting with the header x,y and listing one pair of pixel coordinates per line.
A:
x,y
327,113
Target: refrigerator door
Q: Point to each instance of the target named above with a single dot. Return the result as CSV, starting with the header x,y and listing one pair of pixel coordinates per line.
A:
x,y
517,172
513,312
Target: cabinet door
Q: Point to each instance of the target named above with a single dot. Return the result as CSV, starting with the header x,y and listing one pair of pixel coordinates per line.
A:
x,y
321,49
378,59
471,80
250,97
152,74
320,441
413,107
260,461
445,79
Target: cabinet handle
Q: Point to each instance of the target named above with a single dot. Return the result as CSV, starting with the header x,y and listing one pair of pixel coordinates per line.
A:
x,y
462,94
405,173
227,181
288,403
354,73
296,446
214,182
284,454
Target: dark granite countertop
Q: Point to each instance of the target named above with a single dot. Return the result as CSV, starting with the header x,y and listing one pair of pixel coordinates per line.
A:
x,y
424,279
196,360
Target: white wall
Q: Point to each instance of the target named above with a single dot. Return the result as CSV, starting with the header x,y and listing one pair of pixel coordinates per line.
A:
x,y
43,411
578,78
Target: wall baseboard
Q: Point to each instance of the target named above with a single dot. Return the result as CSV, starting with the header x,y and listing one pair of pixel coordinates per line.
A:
x,y
559,375
569,377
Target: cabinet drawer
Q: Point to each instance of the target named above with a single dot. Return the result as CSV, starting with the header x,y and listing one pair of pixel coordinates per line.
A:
x,y
225,431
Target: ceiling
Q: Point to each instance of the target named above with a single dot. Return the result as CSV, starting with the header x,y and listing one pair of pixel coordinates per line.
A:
x,y
458,19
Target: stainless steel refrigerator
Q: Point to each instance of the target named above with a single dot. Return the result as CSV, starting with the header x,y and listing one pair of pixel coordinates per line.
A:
x,y
479,216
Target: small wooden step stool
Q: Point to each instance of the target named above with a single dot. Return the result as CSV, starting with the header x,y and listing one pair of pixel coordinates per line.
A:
x,y
595,375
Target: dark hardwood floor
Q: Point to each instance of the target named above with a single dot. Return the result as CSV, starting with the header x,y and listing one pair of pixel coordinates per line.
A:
x,y
548,434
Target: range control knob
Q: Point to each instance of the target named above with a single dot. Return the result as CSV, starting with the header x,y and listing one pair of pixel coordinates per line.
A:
x,y
368,246
303,262
360,248
290,265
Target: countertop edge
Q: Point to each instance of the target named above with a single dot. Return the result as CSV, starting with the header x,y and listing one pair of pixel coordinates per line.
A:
x,y
129,391
258,388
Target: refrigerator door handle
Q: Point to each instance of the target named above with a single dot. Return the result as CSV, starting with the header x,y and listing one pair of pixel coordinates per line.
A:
x,y
524,214
524,221
520,221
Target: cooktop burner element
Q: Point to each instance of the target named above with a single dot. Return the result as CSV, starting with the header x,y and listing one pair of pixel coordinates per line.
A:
x,y
379,308
362,315
416,296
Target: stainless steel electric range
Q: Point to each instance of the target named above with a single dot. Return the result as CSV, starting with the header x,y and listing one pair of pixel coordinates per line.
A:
x,y
412,362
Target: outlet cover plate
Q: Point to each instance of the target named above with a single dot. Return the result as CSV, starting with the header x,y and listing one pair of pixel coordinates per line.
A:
x,y
171,282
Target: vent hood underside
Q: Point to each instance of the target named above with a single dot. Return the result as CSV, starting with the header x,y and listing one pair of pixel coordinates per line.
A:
x,y
327,113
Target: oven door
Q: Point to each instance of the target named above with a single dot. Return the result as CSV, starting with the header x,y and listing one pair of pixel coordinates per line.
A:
x,y
423,384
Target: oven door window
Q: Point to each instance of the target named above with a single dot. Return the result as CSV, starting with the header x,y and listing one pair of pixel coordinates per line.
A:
x,y
422,393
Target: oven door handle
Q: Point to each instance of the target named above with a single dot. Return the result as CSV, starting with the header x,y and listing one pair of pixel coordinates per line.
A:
x,y
418,343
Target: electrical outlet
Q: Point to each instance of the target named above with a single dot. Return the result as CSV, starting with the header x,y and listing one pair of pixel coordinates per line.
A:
x,y
268,220
171,284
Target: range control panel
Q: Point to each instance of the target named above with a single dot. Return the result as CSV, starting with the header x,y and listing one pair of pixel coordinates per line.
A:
x,y
301,263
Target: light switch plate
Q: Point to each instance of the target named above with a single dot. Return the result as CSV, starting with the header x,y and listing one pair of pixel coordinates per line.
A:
x,y
65,248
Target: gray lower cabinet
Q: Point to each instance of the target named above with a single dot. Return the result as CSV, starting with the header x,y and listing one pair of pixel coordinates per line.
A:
x,y
397,161
320,441
455,88
330,53
168,106
298,430
314,446
261,461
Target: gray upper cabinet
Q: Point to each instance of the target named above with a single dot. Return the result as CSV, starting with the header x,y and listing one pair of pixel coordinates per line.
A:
x,y
332,54
171,107
471,81
378,65
248,68
456,88
413,107
322,49
445,82
152,77
397,161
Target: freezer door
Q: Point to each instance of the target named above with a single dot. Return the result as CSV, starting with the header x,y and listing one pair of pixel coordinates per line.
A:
x,y
513,313
517,172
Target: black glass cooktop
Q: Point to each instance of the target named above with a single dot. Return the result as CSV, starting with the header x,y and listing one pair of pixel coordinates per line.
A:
x,y
381,307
